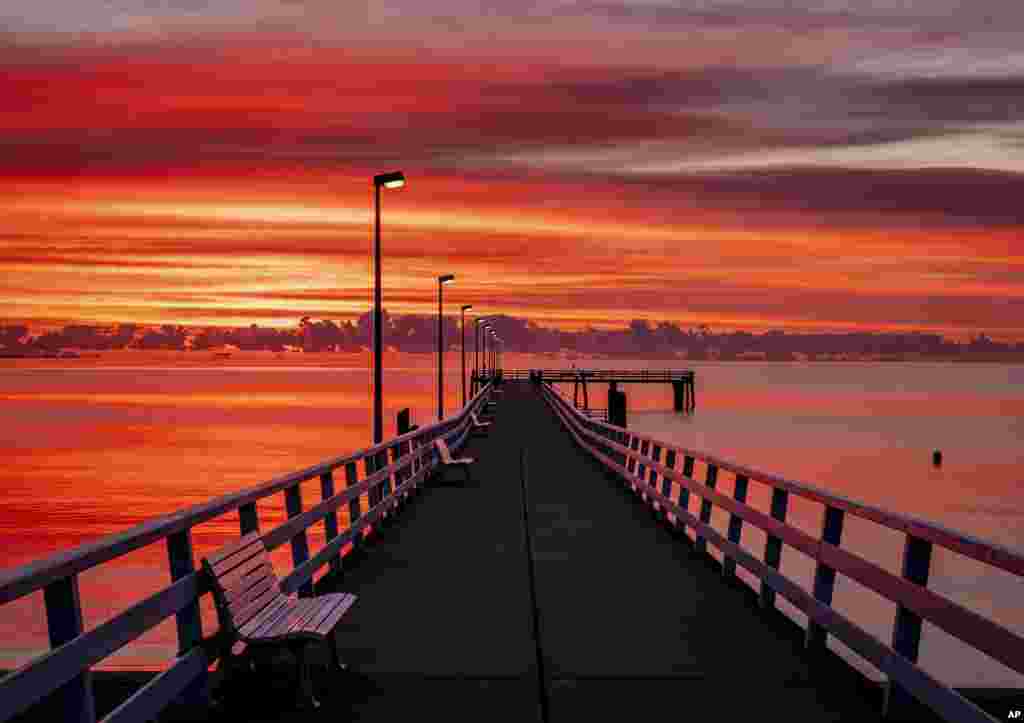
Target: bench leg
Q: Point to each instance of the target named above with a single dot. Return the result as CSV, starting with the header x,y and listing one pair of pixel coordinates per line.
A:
x,y
335,654
306,699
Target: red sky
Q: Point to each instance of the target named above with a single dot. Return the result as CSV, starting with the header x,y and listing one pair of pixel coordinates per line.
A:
x,y
577,163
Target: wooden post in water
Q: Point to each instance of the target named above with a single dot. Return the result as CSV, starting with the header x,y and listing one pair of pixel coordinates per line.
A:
x,y
64,623
678,395
773,545
824,577
906,633
300,543
705,508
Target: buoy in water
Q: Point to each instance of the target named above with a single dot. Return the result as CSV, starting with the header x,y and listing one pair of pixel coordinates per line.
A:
x,y
937,458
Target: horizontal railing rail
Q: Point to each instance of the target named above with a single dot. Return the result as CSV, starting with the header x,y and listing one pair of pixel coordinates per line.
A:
x,y
390,470
643,461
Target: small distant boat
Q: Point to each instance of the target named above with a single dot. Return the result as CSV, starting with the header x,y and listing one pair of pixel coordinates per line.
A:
x,y
222,354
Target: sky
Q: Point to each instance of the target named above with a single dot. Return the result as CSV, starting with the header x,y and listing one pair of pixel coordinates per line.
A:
x,y
746,164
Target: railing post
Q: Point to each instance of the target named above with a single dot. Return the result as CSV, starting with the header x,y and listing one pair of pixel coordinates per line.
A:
x,y
652,476
666,480
705,507
64,623
331,520
684,491
354,508
824,577
189,621
300,543
906,633
248,520
735,526
773,545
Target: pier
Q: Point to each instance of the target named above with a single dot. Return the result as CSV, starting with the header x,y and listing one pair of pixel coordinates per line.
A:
x,y
557,583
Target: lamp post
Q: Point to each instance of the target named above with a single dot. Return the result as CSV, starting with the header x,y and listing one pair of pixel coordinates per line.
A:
x,y
441,281
483,337
465,308
394,179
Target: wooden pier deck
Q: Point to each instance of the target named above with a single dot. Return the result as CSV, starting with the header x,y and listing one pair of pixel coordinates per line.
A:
x,y
631,623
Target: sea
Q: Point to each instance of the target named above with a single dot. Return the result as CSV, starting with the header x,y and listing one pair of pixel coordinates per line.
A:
x,y
94,445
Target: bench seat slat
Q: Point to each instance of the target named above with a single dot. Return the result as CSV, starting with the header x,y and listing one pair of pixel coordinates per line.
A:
x,y
284,622
331,602
326,625
264,618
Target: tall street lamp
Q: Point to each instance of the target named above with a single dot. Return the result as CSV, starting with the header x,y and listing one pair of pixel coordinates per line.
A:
x,y
441,281
465,308
483,336
394,179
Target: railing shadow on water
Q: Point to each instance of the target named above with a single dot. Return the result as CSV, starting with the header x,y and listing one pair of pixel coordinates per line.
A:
x,y
655,470
390,471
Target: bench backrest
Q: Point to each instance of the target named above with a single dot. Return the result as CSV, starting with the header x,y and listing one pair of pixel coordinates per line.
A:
x,y
442,447
243,581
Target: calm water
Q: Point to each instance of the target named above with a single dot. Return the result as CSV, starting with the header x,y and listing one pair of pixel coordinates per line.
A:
x,y
93,447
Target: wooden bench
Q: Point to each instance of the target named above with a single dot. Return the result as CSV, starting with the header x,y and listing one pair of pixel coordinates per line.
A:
x,y
252,610
479,426
448,461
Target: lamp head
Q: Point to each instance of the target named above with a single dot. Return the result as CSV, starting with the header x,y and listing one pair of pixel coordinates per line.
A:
x,y
394,179
467,307
446,279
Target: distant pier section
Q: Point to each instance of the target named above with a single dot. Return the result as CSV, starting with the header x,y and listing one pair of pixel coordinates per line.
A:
x,y
684,394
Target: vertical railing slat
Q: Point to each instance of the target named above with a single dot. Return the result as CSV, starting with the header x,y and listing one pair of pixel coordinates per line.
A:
x,y
735,526
824,576
684,492
773,545
189,620
248,519
906,633
300,543
705,507
354,506
666,481
331,520
64,622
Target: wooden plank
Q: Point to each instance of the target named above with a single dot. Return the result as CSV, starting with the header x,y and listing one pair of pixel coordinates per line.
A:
x,y
705,504
264,617
824,576
328,623
155,695
30,683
